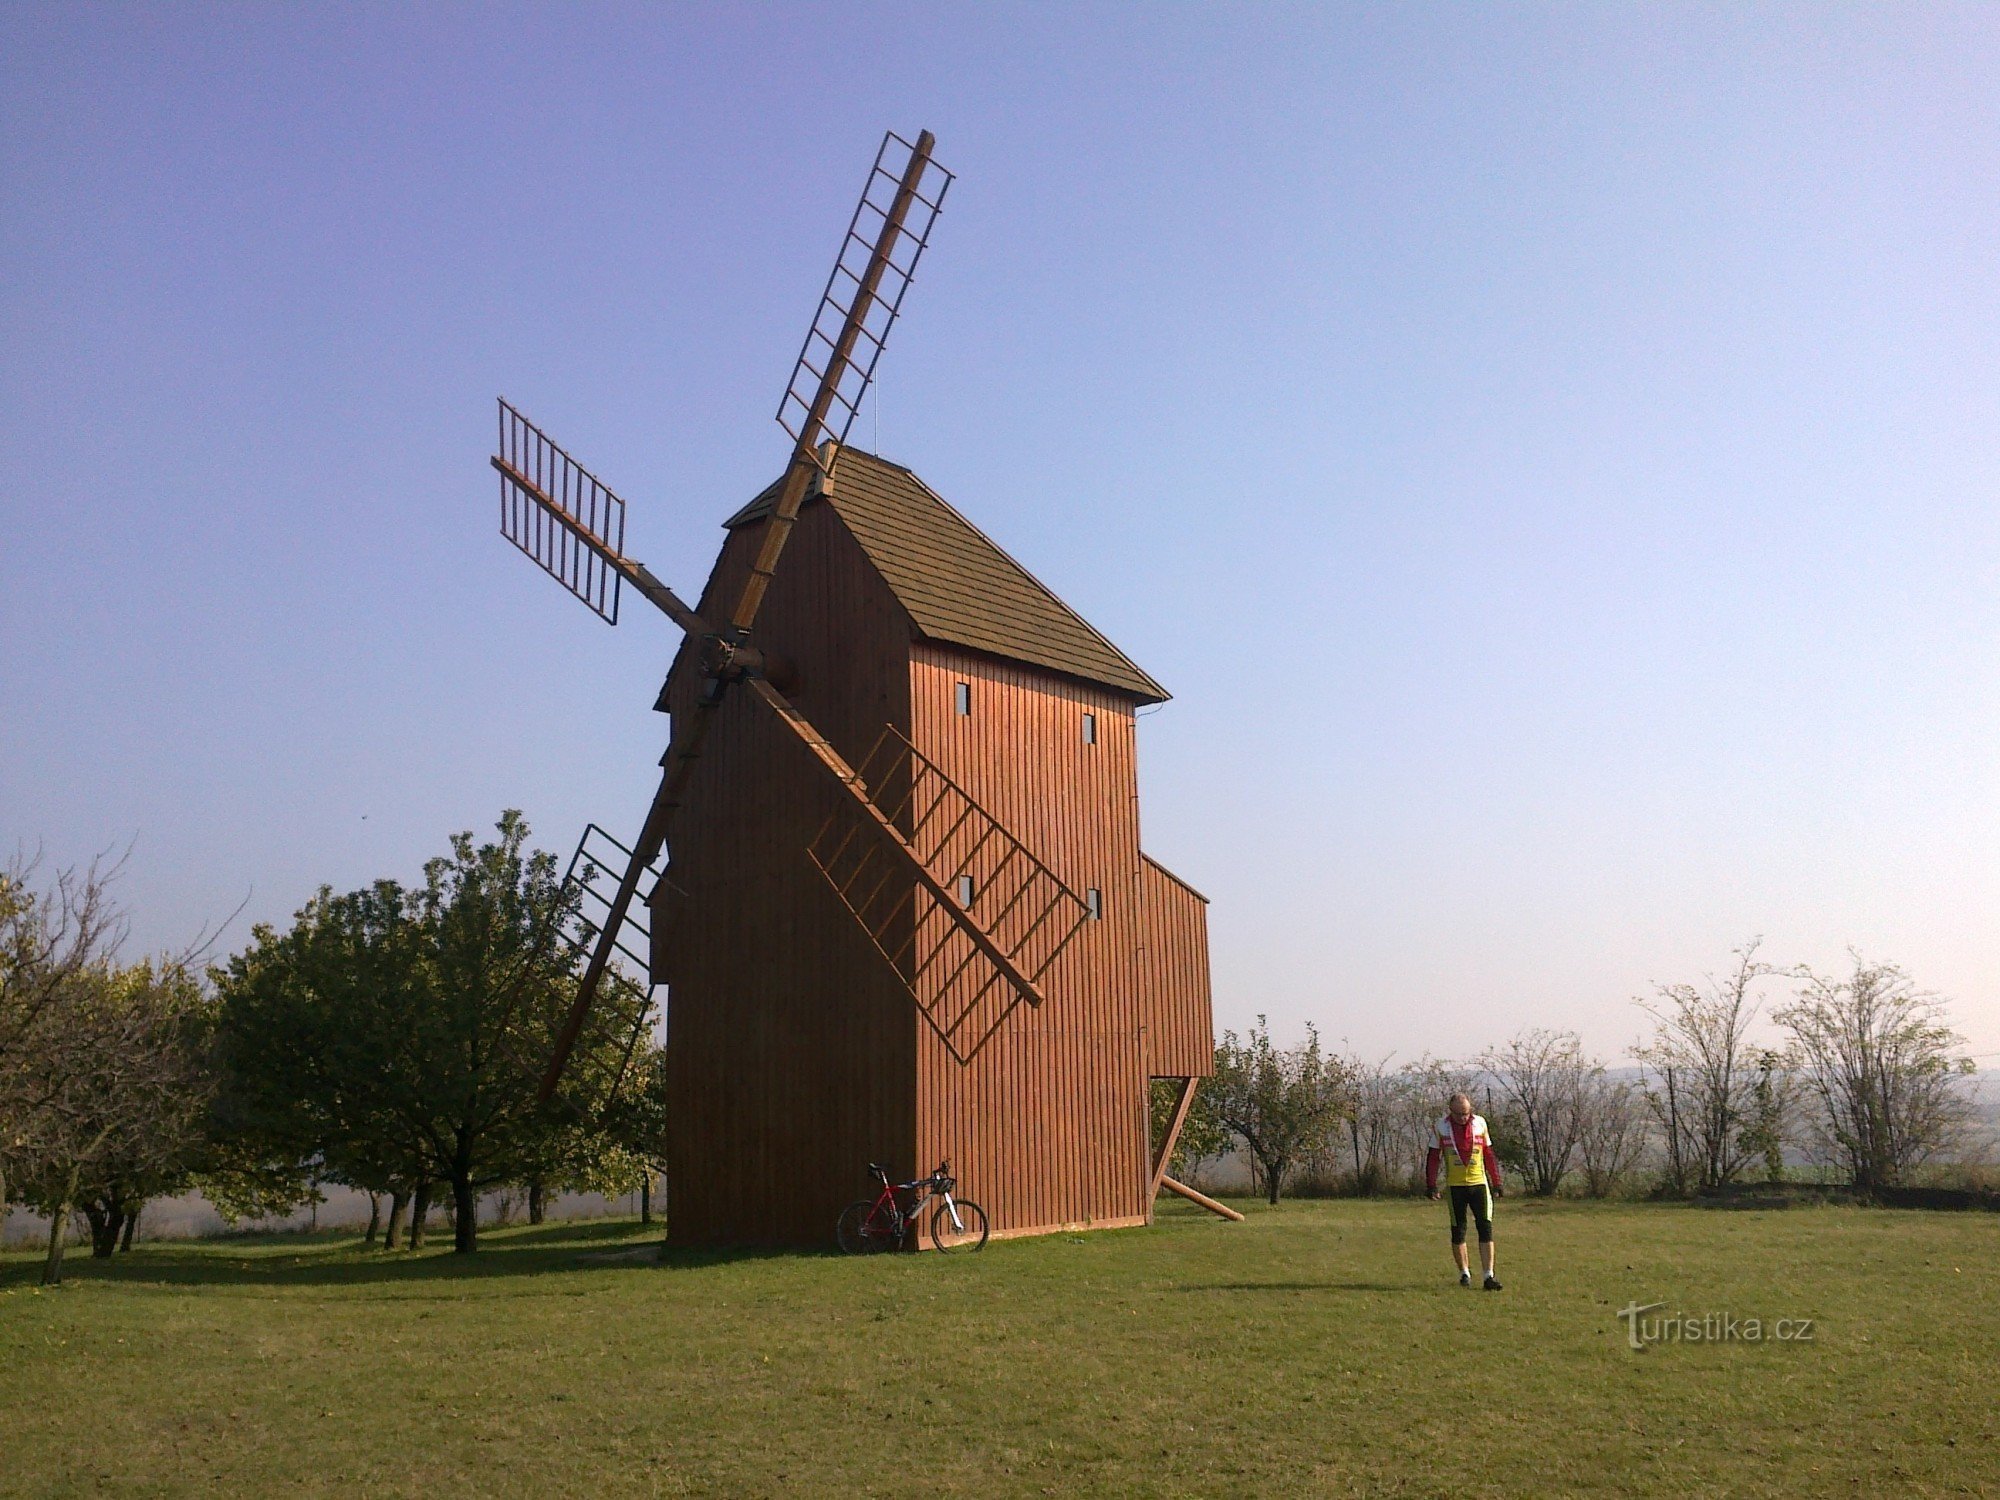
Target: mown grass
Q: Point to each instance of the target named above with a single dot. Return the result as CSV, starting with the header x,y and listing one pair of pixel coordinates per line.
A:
x,y
1319,1348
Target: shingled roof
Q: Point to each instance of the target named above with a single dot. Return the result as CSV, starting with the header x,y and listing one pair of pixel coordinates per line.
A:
x,y
954,582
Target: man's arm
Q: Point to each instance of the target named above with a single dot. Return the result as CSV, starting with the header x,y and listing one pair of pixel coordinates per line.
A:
x,y
1492,1164
1431,1172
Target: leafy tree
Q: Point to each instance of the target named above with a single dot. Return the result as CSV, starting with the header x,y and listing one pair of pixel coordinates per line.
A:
x,y
1203,1136
638,1120
399,1036
1281,1103
1772,1103
315,1038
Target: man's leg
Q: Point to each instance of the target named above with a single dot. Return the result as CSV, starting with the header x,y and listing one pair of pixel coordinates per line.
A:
x,y
1457,1197
1483,1221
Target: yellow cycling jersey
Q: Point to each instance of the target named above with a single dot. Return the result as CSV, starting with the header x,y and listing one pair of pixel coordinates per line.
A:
x,y
1464,1152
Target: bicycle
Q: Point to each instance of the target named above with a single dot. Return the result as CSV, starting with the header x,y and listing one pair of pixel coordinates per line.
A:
x,y
871,1225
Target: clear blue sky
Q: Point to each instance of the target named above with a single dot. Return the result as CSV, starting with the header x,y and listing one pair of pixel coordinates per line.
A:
x,y
1549,452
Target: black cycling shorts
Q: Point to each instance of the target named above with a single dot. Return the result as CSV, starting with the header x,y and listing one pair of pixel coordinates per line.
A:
x,y
1480,1201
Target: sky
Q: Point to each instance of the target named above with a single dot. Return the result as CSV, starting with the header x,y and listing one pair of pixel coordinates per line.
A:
x,y
1549,452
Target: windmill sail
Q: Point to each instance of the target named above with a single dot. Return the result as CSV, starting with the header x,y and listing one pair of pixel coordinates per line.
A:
x,y
863,295
972,935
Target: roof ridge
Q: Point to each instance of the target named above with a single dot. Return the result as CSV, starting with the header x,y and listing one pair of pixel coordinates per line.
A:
x,y
939,565
1055,598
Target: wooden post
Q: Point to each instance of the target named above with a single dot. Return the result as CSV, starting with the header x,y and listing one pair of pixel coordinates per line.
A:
x,y
1172,1138
1202,1198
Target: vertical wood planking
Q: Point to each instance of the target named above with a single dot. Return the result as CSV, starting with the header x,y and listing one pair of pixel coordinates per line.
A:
x,y
1173,975
789,1044
1041,1124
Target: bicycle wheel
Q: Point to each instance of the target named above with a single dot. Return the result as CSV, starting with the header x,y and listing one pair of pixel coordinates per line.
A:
x,y
862,1232
969,1233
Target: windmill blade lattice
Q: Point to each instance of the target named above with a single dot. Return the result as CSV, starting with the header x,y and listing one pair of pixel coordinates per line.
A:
x,y
554,510
877,261
985,884
878,257
600,859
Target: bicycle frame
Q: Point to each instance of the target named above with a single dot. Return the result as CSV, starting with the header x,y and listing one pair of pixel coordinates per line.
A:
x,y
896,1218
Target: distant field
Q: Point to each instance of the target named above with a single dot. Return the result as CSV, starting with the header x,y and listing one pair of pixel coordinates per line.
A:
x,y
1317,1348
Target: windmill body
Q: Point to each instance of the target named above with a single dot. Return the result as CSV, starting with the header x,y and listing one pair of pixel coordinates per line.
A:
x,y
799,1047
904,916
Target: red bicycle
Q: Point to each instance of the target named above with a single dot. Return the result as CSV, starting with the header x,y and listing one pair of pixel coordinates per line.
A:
x,y
885,1221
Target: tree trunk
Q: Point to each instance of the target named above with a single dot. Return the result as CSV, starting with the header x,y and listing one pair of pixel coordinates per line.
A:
x,y
105,1222
399,1200
374,1218
538,1203
464,1213
420,1210
59,1230
131,1226
646,1197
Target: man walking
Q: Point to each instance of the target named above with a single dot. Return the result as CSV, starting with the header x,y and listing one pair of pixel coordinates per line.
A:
x,y
1472,1176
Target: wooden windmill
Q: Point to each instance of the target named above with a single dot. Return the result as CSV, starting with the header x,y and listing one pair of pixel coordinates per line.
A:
x,y
904,915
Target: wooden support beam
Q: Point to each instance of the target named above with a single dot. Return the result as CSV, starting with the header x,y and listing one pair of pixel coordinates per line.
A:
x,y
1202,1198
1172,1138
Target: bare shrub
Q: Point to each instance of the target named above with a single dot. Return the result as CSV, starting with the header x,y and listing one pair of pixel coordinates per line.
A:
x,y
1881,1069
1700,1074
1611,1134
1541,1076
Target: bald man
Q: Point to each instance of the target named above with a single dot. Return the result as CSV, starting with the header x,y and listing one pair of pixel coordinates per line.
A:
x,y
1472,1177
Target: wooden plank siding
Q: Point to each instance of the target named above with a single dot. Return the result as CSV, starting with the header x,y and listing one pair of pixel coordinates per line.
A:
x,y
1173,975
789,1043
1046,1125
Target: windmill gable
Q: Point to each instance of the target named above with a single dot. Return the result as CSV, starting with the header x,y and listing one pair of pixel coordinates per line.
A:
x,y
955,583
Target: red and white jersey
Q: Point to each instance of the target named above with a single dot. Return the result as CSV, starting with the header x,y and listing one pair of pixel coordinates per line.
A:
x,y
1466,1152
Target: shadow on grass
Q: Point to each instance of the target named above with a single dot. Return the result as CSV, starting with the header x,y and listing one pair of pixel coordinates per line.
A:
x,y
1294,1286
288,1260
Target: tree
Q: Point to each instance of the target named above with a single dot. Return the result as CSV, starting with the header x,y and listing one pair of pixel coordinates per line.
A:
x,y
637,1121
1542,1076
399,1036
1701,1080
315,1051
1611,1132
1391,1119
1203,1136
1772,1102
1881,1069
120,1069
1282,1104
54,944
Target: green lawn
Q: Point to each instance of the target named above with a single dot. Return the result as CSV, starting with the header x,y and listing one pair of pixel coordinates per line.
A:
x,y
1319,1348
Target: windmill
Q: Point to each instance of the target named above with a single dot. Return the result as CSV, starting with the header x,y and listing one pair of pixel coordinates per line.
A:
x,y
797,1050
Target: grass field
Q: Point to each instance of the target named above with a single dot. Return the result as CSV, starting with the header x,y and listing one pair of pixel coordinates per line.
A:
x,y
1319,1348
